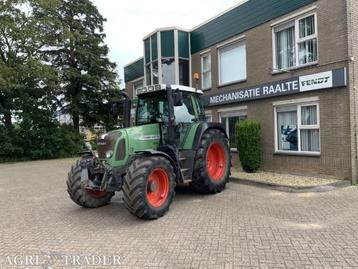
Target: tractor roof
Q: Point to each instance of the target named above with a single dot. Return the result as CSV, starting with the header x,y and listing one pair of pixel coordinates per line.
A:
x,y
163,87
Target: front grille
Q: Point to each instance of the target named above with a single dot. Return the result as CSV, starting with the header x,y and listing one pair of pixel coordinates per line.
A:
x,y
106,144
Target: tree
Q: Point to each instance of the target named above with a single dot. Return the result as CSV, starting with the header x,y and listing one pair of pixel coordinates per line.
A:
x,y
28,83
51,53
88,78
26,31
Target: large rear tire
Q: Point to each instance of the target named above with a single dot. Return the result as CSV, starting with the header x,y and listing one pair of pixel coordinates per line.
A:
x,y
83,197
149,187
212,163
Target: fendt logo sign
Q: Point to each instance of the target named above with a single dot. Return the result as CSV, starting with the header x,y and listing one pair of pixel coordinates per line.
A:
x,y
316,81
319,81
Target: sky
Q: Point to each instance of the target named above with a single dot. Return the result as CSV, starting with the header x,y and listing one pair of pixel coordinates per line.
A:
x,y
128,21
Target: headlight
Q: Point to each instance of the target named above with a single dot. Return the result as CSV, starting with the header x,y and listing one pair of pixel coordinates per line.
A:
x,y
109,154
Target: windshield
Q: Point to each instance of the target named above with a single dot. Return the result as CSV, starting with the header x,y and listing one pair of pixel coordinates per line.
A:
x,y
154,109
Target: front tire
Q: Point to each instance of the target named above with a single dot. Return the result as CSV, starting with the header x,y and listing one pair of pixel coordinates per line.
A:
x,y
212,163
83,197
149,187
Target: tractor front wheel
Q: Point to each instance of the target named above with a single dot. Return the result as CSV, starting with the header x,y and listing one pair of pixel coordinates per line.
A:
x,y
81,196
148,188
212,163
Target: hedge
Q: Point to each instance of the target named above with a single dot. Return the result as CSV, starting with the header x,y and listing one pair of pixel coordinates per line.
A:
x,y
248,137
44,142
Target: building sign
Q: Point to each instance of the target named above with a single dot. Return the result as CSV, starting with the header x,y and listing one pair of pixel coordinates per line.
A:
x,y
316,81
325,80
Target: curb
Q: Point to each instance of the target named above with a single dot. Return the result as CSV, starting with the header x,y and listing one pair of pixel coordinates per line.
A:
x,y
293,189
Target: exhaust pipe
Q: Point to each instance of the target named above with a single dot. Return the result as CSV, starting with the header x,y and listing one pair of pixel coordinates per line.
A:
x,y
126,109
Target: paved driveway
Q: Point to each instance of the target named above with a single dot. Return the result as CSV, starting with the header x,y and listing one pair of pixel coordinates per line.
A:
x,y
242,227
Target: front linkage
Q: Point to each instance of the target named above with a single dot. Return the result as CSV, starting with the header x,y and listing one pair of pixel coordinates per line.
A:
x,y
96,175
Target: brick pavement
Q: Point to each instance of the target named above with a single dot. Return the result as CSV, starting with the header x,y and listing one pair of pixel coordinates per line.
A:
x,y
242,227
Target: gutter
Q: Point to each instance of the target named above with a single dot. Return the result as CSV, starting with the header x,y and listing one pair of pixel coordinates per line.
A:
x,y
350,36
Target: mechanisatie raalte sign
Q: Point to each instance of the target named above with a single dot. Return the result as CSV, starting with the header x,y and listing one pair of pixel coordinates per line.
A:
x,y
324,80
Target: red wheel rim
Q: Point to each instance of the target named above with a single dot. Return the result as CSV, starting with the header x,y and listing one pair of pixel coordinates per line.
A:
x,y
96,194
216,161
157,187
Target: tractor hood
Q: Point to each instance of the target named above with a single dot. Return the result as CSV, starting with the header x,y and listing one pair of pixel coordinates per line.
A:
x,y
116,146
143,137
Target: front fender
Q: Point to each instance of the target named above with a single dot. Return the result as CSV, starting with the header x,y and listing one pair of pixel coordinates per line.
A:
x,y
173,162
146,153
203,127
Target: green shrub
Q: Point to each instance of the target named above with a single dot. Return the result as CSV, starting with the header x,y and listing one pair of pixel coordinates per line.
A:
x,y
70,142
44,140
248,137
10,144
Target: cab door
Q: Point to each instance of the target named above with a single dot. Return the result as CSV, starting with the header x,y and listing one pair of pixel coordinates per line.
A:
x,y
185,117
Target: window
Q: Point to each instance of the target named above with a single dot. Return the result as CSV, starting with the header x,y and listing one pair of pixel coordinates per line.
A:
x,y
209,116
148,75
229,119
232,63
136,86
185,113
168,71
298,128
184,72
206,71
155,72
307,40
153,109
151,60
295,43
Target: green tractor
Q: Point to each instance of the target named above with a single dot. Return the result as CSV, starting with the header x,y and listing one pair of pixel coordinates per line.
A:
x,y
170,144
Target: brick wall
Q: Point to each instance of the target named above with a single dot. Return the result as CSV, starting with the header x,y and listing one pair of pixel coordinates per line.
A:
x,y
129,89
335,159
332,46
337,106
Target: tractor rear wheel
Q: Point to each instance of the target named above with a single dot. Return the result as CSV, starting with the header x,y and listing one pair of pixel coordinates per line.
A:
x,y
212,163
149,187
81,196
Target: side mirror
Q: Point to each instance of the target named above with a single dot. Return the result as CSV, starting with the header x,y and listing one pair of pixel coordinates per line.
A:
x,y
204,100
178,98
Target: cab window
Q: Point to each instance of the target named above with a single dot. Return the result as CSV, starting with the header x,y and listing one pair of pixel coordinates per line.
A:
x,y
185,113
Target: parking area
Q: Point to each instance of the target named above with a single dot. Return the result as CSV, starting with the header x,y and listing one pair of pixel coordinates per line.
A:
x,y
242,227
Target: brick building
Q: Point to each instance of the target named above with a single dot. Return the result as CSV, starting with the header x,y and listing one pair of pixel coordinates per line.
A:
x,y
288,64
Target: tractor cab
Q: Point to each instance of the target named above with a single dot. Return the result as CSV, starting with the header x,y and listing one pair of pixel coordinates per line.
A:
x,y
175,108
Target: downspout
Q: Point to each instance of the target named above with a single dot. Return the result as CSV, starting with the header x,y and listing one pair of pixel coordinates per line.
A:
x,y
351,33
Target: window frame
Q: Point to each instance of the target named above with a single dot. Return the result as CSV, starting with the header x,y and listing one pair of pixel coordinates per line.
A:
x,y
298,41
300,127
227,111
237,42
209,114
202,56
134,83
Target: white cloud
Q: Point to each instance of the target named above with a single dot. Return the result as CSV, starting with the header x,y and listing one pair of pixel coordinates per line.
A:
x,y
129,21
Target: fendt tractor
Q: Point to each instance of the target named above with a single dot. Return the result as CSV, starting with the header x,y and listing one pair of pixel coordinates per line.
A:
x,y
170,144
